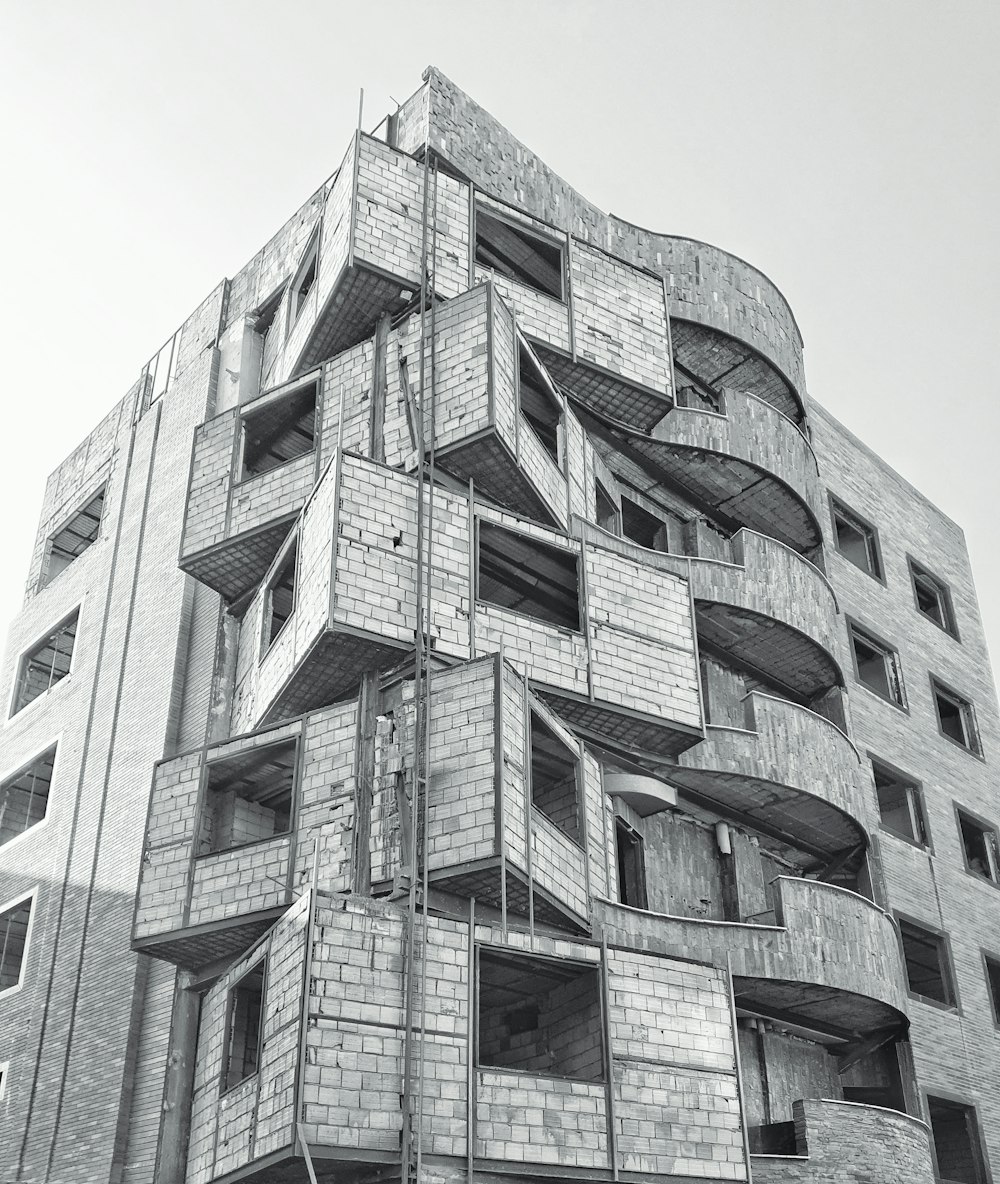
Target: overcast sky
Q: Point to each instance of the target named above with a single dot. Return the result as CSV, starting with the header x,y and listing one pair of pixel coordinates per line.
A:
x,y
848,148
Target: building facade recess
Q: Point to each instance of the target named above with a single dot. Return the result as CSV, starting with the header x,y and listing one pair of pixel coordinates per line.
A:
x,y
505,729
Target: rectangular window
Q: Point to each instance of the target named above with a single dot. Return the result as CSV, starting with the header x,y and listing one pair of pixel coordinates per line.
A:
x,y
642,527
45,664
900,806
519,253
928,970
876,665
605,511
531,577
933,599
539,404
244,1008
555,780
979,845
856,539
992,967
283,429
280,598
73,538
540,1015
305,275
956,717
631,865
957,1146
24,798
248,797
14,922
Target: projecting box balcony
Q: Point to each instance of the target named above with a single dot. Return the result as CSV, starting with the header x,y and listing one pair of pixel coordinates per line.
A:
x,y
789,773
303,1041
830,964
608,640
745,462
885,1145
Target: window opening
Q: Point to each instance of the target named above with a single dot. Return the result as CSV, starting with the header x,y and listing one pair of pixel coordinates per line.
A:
x,y
243,1028
24,798
992,967
877,665
642,527
699,398
531,577
72,539
268,339
606,511
280,599
979,843
857,540
305,277
933,598
13,939
248,797
538,405
45,664
926,958
280,431
957,1148
631,865
540,1015
899,804
956,717
520,254
555,782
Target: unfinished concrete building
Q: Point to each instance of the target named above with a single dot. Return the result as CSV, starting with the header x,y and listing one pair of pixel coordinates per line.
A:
x,y
473,717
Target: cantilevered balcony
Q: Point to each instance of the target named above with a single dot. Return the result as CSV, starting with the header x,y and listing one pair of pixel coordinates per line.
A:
x,y
885,1145
830,964
609,640
747,465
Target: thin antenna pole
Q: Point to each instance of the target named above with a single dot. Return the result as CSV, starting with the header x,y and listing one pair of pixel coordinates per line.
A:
x,y
361,108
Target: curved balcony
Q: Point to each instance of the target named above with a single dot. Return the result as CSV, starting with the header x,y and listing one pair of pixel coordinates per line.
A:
x,y
886,1146
791,774
831,962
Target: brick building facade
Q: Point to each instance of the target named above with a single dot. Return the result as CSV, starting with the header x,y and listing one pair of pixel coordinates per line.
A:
x,y
474,716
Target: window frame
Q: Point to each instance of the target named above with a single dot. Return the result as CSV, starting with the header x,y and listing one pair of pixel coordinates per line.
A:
x,y
863,526
16,771
205,792
310,259
624,829
44,579
227,1048
988,827
268,639
261,403
919,571
916,788
857,631
978,1145
575,553
946,963
12,708
573,754
967,711
549,236
988,957
6,907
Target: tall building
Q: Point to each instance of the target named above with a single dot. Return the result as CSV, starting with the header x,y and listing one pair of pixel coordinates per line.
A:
x,y
474,717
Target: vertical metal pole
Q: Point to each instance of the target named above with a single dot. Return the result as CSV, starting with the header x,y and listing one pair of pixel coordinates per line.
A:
x,y
470,1083
739,1067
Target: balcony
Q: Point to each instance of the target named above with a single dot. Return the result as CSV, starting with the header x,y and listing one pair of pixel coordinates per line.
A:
x,y
608,641
886,1146
544,1029
790,774
830,964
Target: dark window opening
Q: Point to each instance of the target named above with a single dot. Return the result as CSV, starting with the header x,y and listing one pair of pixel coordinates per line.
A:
x,y
13,939
24,798
521,573
642,527
956,717
773,1138
538,404
605,511
933,598
243,1028
631,865
72,539
956,1142
264,326
305,277
877,665
979,842
857,540
520,254
248,797
699,398
927,969
46,664
540,1015
992,966
899,805
280,431
280,599
555,783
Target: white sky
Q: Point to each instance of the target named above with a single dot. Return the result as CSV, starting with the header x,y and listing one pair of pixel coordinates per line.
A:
x,y
849,149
